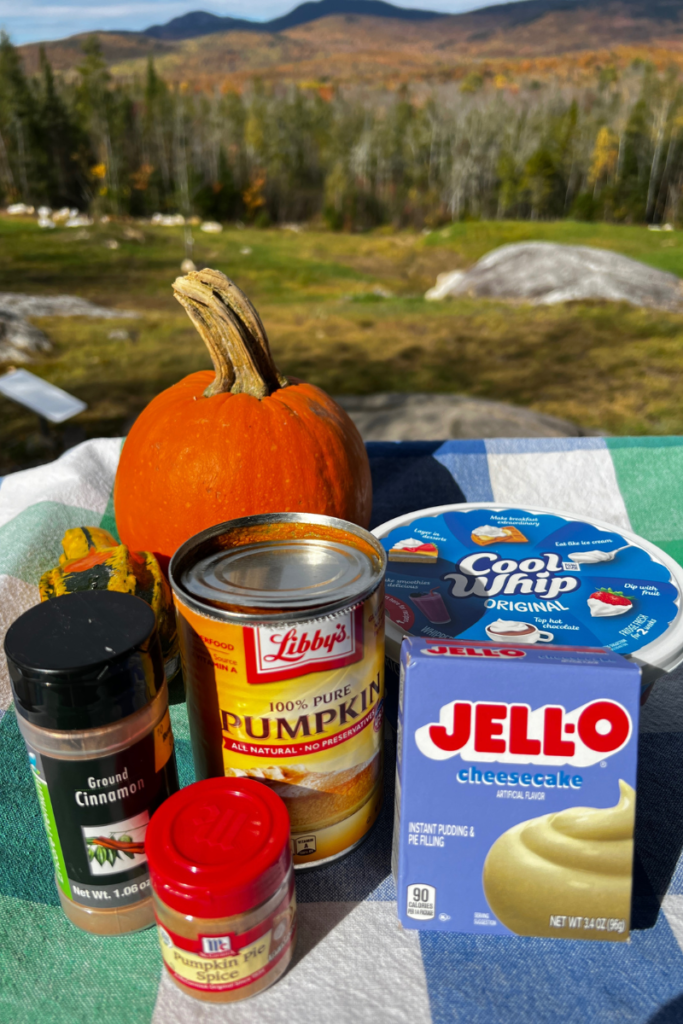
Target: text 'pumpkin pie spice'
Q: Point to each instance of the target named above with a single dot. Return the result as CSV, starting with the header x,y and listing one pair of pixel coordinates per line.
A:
x,y
281,627
223,884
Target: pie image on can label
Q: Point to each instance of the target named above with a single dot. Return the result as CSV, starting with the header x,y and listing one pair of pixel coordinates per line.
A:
x,y
281,627
535,577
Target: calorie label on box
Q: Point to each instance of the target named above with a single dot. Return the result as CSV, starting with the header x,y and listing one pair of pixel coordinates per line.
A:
x,y
515,795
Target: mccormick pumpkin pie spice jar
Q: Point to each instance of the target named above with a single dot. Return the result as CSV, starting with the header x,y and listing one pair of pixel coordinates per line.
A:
x,y
92,705
221,868
281,628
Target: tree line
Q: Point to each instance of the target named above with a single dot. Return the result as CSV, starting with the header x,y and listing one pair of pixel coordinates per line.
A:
x,y
612,149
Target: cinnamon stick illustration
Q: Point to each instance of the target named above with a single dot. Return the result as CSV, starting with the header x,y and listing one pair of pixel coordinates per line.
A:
x,y
108,849
117,844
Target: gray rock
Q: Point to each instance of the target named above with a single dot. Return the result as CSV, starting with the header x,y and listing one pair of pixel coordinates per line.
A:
x,y
445,283
20,341
545,273
58,305
396,416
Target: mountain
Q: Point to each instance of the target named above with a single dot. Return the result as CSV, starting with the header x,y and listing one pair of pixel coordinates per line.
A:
x,y
369,42
523,12
519,13
199,23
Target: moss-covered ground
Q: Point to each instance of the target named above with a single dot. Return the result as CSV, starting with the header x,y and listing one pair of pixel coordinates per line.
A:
x,y
345,312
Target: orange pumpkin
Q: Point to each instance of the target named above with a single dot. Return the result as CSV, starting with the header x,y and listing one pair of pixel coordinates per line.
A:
x,y
242,442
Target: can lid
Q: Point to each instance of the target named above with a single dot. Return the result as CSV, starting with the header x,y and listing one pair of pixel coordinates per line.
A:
x,y
297,573
219,847
277,567
84,660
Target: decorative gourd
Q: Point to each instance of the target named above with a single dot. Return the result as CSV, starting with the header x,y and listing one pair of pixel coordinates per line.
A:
x,y
93,560
243,442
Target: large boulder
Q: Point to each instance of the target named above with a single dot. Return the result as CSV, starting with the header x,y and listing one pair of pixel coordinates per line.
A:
x,y
545,273
410,416
20,341
58,305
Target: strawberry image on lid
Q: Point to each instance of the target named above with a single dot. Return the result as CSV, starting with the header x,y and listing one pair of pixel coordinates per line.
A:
x,y
606,602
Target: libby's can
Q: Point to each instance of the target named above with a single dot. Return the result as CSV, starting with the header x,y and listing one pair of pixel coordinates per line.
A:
x,y
281,628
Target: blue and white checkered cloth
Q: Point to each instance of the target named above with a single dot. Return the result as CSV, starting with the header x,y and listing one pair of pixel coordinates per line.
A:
x,y
354,964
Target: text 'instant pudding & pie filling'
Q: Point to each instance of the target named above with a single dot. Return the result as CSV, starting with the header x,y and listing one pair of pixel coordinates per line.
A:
x,y
484,572
281,627
515,790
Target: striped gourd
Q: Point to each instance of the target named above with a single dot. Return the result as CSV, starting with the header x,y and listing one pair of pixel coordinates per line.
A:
x,y
93,560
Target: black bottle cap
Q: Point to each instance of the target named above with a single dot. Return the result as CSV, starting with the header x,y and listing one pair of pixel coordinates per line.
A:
x,y
84,660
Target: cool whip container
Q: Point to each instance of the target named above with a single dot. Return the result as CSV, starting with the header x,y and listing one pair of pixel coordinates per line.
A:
x,y
487,572
515,795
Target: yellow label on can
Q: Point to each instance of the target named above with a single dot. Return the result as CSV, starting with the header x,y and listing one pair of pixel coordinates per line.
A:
x,y
299,707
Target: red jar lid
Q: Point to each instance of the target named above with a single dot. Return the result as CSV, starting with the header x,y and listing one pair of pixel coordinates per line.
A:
x,y
219,847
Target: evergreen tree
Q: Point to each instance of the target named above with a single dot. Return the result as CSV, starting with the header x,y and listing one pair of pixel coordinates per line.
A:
x,y
64,153
18,123
359,157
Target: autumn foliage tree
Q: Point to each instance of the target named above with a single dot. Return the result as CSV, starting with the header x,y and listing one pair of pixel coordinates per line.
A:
x,y
484,145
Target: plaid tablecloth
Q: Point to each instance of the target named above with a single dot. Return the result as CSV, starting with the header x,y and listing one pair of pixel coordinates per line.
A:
x,y
354,963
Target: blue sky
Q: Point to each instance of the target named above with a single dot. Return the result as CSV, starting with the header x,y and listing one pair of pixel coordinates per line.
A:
x,y
53,19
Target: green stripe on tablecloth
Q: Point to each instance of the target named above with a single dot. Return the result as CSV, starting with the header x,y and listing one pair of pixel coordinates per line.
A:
x,y
650,475
55,973
31,542
26,869
661,441
183,745
50,971
108,521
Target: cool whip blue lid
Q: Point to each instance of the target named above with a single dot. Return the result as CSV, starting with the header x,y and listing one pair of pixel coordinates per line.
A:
x,y
531,576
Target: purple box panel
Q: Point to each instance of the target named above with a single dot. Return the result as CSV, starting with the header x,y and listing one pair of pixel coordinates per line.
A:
x,y
515,795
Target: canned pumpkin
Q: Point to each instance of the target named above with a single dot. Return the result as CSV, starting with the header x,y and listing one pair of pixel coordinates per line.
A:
x,y
281,627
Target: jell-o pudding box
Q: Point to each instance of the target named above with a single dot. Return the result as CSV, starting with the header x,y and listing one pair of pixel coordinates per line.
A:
x,y
515,792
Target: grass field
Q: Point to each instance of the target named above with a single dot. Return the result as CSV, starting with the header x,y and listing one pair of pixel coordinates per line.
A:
x,y
325,301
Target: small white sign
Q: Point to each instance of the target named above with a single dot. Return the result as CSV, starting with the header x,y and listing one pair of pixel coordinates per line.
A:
x,y
39,396
421,902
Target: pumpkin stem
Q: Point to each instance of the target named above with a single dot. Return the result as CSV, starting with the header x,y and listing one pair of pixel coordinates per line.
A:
x,y
233,333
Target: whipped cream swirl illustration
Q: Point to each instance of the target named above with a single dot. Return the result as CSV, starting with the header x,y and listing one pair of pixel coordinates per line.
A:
x,y
488,531
509,628
593,557
576,863
605,603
